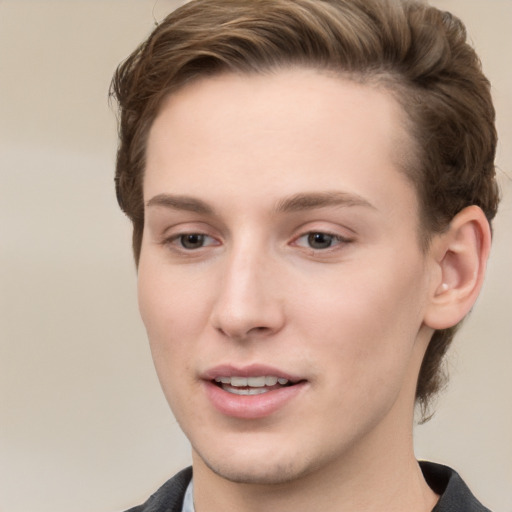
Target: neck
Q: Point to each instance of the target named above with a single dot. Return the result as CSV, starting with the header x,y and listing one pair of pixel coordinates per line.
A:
x,y
370,480
377,473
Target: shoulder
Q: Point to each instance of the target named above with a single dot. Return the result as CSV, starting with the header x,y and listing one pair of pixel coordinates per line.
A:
x,y
169,498
455,495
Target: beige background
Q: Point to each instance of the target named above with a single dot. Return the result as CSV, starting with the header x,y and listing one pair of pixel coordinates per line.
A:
x,y
83,424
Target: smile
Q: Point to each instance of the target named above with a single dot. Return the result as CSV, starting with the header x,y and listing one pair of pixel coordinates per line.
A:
x,y
251,385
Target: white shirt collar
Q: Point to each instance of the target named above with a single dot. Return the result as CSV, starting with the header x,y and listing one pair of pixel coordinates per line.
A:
x,y
188,500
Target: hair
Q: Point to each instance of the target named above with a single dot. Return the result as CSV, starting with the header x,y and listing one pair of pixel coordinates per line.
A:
x,y
420,54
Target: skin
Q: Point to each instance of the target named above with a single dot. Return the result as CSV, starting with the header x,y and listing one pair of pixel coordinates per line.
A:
x,y
225,157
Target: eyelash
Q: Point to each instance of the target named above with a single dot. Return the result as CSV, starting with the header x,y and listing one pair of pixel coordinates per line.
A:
x,y
177,241
332,239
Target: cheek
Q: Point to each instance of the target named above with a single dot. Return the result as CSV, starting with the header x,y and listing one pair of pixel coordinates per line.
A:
x,y
366,318
170,310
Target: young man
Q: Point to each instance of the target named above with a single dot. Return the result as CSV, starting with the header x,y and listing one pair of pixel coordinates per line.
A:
x,y
311,185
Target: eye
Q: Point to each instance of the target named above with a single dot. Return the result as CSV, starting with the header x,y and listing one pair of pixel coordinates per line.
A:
x,y
191,241
318,240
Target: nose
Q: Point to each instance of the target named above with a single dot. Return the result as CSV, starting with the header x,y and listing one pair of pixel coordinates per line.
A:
x,y
248,303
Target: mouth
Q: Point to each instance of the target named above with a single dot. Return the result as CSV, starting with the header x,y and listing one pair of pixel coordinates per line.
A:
x,y
248,386
251,392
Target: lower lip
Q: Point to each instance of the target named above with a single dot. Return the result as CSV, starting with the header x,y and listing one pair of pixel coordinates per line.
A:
x,y
251,406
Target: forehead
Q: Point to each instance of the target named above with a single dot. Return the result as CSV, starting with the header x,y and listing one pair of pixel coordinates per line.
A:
x,y
295,128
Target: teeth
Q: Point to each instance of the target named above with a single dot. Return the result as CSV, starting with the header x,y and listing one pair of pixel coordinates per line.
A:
x,y
252,382
246,391
256,382
239,382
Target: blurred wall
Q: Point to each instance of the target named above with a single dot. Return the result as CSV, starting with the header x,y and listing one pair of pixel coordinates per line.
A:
x,y
83,424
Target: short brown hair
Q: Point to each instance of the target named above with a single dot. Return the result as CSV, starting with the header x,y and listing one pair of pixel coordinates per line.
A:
x,y
418,52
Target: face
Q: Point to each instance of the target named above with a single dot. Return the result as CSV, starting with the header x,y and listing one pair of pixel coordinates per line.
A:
x,y
281,280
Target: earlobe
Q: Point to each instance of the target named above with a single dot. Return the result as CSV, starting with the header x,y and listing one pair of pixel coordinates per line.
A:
x,y
459,257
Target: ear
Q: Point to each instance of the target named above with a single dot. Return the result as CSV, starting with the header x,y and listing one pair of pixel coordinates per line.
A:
x,y
459,257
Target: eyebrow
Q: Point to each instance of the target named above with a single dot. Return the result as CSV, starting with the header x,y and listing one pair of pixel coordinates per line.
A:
x,y
187,203
295,203
313,200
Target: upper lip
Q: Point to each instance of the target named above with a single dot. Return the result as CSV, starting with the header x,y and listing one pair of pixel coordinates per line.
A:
x,y
252,370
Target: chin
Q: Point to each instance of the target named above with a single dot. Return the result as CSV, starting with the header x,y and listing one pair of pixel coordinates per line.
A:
x,y
271,475
255,471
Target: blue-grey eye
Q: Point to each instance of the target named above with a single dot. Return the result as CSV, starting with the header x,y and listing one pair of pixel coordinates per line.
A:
x,y
192,240
320,240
